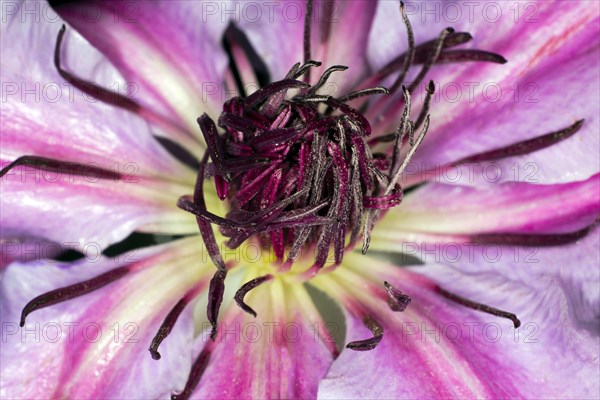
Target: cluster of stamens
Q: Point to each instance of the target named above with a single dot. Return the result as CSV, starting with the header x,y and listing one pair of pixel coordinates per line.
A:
x,y
297,171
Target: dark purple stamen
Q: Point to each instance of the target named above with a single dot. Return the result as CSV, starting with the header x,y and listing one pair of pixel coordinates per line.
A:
x,y
66,167
166,327
246,287
531,239
463,55
397,300
72,291
524,147
479,307
408,61
215,298
215,149
204,226
307,25
90,88
432,59
368,344
198,369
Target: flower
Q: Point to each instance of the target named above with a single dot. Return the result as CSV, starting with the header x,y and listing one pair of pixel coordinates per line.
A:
x,y
89,322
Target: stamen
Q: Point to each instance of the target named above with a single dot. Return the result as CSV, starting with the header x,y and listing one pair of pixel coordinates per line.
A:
x,y
90,88
526,146
439,44
408,61
215,298
451,56
430,90
72,291
397,300
326,76
179,152
368,344
532,239
66,167
215,149
170,320
198,369
401,132
205,228
408,157
307,37
479,307
166,327
246,287
364,92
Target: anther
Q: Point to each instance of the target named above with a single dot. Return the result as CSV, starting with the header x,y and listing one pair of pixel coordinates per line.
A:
x,y
368,344
397,300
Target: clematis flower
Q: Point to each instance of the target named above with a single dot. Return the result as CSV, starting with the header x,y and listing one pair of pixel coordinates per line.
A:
x,y
343,137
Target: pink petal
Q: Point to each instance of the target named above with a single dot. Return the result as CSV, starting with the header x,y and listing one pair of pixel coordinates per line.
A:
x,y
277,355
437,348
349,22
552,55
508,207
169,49
104,352
44,115
86,213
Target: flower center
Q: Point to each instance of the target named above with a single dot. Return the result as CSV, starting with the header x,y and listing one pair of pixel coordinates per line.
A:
x,y
297,170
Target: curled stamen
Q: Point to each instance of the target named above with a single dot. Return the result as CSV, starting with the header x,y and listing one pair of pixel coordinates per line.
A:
x,y
166,327
90,88
368,344
169,322
479,307
67,167
70,292
246,287
397,300
326,76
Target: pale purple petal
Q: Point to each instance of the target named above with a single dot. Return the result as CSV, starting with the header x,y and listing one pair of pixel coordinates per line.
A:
x,y
503,208
547,84
437,348
95,346
279,354
44,115
169,49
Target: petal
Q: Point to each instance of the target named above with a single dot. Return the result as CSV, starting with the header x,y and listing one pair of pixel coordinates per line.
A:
x,y
44,115
95,346
551,52
504,208
280,354
169,49
437,348
347,22
87,213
